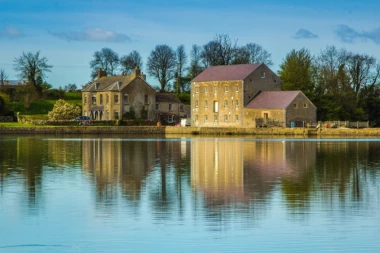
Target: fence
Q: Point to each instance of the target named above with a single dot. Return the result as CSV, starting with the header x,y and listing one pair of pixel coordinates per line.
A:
x,y
348,124
261,122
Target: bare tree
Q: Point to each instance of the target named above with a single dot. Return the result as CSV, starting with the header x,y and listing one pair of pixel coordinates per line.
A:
x,y
130,62
105,59
32,68
181,66
227,48
162,65
257,54
195,62
3,76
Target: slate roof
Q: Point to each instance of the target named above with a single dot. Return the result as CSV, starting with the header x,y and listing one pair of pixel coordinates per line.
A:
x,y
273,99
167,97
226,72
107,83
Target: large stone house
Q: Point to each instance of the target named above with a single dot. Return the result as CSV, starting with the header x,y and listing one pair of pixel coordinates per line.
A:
x,y
240,95
286,108
220,93
111,97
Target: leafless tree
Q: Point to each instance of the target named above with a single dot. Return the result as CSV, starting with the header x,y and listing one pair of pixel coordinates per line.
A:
x,y
257,54
181,66
3,76
105,59
162,65
130,62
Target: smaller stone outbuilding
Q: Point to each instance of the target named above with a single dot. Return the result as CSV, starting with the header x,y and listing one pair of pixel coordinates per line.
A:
x,y
169,109
280,108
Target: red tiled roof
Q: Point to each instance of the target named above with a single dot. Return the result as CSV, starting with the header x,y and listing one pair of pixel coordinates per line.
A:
x,y
273,99
226,72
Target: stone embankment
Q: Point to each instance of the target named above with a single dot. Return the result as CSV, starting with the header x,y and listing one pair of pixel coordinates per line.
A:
x,y
164,130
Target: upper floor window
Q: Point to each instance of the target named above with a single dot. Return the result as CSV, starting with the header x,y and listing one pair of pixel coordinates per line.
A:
x,y
170,107
236,88
85,99
116,98
262,74
236,118
206,118
107,99
236,103
126,99
295,105
196,103
94,99
196,89
305,105
215,89
157,106
101,98
225,88
225,118
225,103
206,104
146,99
206,89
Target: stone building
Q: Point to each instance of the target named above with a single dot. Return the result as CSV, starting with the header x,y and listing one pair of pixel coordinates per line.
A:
x,y
220,93
111,97
287,108
169,109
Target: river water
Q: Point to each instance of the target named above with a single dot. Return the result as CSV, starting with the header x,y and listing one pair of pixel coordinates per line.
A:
x,y
153,194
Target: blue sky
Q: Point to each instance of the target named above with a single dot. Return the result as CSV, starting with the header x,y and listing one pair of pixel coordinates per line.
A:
x,y
69,32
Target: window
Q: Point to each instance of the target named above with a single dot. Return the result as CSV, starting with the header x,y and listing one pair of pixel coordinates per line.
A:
x,y
170,107
157,106
225,88
101,99
196,103
262,74
305,105
266,115
181,108
116,115
215,118
206,118
206,89
107,99
116,98
196,118
215,89
295,105
196,89
216,109
225,118
94,99
146,99
237,88
236,118
236,103
85,99
107,115
206,104
225,103
126,99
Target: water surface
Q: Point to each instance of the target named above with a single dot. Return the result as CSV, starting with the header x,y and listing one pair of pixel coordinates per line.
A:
x,y
150,194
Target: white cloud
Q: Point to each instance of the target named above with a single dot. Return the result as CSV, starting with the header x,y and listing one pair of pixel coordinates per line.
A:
x,y
11,32
349,35
305,34
92,34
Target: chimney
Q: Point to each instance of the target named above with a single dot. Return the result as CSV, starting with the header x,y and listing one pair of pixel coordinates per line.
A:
x,y
143,76
101,73
136,72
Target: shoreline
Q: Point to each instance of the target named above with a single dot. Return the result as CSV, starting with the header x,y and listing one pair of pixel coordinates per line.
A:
x,y
174,130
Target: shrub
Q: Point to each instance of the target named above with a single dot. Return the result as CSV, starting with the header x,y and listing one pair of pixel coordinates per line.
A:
x,y
64,111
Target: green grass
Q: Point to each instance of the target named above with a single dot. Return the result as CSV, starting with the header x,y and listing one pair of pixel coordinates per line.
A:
x,y
73,96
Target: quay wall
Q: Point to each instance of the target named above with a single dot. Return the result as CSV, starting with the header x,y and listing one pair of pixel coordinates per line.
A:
x,y
172,130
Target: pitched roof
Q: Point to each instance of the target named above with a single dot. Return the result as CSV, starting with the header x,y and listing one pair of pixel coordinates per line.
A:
x,y
109,83
167,97
273,99
226,72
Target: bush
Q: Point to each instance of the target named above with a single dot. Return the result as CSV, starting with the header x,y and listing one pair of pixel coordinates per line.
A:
x,y
64,111
54,94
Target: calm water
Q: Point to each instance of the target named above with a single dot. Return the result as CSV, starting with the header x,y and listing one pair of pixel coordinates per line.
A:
x,y
189,195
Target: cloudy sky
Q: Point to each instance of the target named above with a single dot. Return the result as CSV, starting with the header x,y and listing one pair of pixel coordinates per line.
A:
x,y
69,32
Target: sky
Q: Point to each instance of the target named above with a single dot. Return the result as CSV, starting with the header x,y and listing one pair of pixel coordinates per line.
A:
x,y
68,32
